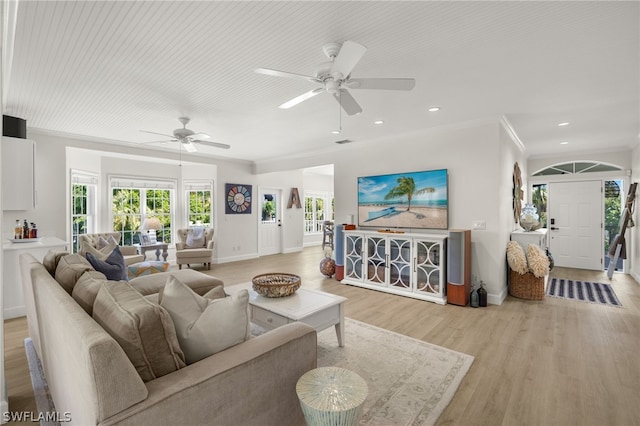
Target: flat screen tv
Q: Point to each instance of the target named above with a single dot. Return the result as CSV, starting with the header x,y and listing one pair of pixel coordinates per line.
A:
x,y
404,200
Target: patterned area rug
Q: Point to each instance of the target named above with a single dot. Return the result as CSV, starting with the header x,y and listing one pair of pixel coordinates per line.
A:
x,y
410,382
584,291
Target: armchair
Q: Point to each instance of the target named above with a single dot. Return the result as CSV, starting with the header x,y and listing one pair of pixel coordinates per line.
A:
x,y
130,253
193,248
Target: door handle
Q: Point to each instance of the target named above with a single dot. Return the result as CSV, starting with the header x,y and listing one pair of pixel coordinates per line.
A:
x,y
553,228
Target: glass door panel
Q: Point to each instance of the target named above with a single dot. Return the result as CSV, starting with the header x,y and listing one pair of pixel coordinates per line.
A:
x,y
400,263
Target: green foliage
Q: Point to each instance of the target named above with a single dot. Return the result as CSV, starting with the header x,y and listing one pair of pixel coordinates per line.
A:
x,y
612,213
406,188
539,199
200,207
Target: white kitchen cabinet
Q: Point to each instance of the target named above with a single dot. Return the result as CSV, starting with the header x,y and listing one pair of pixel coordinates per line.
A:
x,y
411,265
18,174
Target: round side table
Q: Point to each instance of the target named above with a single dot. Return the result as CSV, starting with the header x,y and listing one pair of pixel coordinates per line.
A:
x,y
331,396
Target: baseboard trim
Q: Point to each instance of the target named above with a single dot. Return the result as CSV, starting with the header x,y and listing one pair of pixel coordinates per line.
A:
x,y
293,250
497,299
237,258
15,312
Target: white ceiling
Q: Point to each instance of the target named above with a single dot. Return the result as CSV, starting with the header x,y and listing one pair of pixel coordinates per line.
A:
x,y
109,69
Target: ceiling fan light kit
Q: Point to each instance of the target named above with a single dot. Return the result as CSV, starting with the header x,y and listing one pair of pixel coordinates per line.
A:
x,y
335,77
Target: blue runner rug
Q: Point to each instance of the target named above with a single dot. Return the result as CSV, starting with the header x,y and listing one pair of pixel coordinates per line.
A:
x,y
584,291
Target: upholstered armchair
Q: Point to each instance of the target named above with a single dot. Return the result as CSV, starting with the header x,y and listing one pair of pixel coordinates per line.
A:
x,y
130,253
195,245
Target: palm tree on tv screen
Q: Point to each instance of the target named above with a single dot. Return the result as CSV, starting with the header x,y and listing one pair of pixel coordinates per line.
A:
x,y
407,188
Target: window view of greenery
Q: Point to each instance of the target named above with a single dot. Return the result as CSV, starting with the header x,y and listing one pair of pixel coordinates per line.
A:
x,y
79,213
268,208
612,212
199,208
316,210
131,206
539,199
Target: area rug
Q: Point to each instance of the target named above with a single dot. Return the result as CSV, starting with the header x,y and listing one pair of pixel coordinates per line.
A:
x,y
410,382
584,291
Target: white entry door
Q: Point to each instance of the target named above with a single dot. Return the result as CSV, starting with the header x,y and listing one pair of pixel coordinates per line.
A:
x,y
575,224
270,221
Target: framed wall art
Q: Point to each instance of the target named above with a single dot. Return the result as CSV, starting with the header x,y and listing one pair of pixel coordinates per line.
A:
x,y
238,198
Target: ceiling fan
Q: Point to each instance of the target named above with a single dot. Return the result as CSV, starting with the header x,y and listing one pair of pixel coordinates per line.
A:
x,y
335,77
188,137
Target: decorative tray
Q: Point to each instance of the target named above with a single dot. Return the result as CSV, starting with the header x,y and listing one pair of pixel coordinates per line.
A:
x,y
26,240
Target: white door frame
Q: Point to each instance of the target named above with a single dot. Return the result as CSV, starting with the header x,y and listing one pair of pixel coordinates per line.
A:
x,y
279,224
612,175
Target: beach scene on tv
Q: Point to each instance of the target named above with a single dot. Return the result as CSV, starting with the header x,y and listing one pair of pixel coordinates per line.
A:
x,y
404,200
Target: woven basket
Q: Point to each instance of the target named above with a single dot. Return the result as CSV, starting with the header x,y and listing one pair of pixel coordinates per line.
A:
x,y
526,286
276,284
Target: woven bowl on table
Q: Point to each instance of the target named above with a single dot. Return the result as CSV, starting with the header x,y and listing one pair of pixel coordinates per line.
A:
x,y
276,284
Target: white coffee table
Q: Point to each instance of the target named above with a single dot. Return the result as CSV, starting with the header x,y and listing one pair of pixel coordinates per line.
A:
x,y
316,308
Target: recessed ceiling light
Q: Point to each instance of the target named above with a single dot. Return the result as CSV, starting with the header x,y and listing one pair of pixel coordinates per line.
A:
x,y
335,132
564,143
378,122
434,109
564,123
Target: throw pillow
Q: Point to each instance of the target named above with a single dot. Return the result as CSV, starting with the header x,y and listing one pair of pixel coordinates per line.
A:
x,y
538,261
143,329
195,238
113,267
205,327
70,268
51,260
101,253
516,258
86,289
102,242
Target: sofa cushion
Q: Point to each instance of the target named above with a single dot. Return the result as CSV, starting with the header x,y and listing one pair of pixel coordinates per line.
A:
x,y
51,260
112,267
70,268
197,281
86,289
143,329
205,326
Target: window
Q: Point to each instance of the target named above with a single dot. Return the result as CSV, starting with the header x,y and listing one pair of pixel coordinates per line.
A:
x,y
317,208
83,206
539,199
199,203
133,200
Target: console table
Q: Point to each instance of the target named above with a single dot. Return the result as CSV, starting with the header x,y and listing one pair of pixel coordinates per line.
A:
x,y
143,249
411,265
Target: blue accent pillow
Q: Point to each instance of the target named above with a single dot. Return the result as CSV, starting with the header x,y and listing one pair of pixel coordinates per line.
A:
x,y
112,267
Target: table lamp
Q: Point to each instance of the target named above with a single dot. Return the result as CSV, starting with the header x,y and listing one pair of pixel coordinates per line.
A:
x,y
151,225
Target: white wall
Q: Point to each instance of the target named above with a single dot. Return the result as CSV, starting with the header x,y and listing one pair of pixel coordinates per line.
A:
x,y
635,233
479,160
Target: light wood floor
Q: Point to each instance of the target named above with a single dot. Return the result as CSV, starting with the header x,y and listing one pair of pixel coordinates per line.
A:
x,y
552,362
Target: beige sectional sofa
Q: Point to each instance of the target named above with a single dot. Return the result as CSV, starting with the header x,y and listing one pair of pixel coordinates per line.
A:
x,y
91,377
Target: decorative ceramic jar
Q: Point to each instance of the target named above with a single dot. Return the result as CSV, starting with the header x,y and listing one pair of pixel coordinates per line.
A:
x,y
529,219
328,267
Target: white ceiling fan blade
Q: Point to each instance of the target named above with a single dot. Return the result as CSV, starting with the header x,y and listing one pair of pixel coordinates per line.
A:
x,y
160,134
348,57
213,144
295,101
161,142
382,83
348,103
276,73
188,146
199,136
